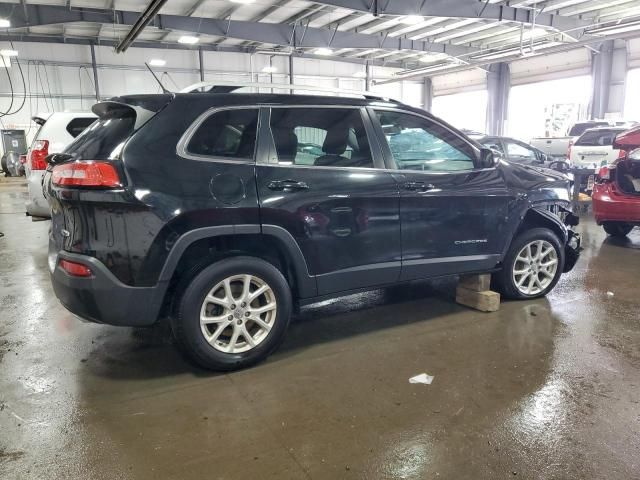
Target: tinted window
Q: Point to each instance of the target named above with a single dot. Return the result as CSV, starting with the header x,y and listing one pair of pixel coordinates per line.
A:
x,y
598,138
324,137
419,144
77,125
579,128
519,151
228,134
492,143
98,141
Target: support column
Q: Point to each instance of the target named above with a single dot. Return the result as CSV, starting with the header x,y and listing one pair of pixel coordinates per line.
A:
x,y
609,72
95,71
201,62
601,64
367,77
498,86
291,75
427,94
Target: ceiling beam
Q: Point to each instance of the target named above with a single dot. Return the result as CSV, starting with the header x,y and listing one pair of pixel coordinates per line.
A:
x,y
460,9
295,36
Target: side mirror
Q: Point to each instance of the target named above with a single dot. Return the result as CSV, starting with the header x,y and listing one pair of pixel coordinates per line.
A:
x,y
488,158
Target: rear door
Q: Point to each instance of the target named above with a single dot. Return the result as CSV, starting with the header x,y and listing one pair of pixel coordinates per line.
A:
x,y
453,213
323,182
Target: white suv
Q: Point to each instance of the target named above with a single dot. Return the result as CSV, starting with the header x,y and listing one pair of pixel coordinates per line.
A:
x,y
57,130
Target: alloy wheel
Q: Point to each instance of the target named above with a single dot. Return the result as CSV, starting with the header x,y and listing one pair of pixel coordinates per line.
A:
x,y
535,267
238,313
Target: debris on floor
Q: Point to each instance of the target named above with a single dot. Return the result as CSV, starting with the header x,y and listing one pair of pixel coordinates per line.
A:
x,y
422,378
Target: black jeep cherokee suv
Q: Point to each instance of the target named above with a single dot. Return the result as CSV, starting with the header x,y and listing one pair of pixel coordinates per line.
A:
x,y
222,211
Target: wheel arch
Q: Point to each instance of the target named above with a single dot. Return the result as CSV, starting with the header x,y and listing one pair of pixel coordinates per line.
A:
x,y
536,218
200,247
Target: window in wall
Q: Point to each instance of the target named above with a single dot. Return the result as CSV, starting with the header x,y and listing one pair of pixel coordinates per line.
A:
x,y
466,110
324,137
228,134
547,109
419,144
632,96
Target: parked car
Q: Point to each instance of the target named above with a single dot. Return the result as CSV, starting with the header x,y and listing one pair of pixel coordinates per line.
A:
x,y
515,151
558,147
616,194
195,206
55,132
594,148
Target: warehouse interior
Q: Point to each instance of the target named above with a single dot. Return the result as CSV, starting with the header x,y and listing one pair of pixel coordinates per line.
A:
x,y
395,380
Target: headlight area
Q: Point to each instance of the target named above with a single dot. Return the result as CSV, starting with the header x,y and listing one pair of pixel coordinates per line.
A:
x,y
563,212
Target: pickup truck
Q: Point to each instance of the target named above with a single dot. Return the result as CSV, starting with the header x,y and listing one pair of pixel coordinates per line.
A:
x,y
558,147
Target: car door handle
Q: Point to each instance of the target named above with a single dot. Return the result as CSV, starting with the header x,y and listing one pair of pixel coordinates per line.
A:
x,y
287,185
419,186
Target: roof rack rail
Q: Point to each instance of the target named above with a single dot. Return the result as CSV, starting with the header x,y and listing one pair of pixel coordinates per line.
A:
x,y
228,87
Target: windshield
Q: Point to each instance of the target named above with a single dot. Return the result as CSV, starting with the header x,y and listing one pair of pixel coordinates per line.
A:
x,y
598,138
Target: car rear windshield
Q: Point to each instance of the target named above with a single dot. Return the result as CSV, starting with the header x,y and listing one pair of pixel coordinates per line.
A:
x,y
579,128
598,138
116,122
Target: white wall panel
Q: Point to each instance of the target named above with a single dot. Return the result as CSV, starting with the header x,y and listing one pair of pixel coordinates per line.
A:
x,y
633,48
465,81
550,67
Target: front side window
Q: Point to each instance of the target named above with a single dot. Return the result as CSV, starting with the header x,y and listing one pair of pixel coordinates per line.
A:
x,y
227,134
320,137
520,151
419,144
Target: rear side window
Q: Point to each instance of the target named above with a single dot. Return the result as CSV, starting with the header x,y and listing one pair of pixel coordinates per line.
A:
x,y
228,134
320,137
579,128
76,126
102,138
598,138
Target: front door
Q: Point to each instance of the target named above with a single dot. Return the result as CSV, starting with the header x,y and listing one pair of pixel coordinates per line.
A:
x,y
324,182
453,213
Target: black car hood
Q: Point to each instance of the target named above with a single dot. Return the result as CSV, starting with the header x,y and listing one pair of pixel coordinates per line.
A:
x,y
539,183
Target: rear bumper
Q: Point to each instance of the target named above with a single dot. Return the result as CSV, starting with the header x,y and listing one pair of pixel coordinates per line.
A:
x,y
609,205
102,298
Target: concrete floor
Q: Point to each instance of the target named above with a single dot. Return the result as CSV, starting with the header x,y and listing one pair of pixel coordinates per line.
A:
x,y
541,389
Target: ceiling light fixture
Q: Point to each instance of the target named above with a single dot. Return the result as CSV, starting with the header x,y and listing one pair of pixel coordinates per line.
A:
x,y
9,53
412,19
323,51
188,39
360,74
245,2
4,23
157,62
269,69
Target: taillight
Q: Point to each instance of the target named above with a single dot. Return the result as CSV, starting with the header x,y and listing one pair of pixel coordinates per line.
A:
x,y
569,149
622,154
23,159
38,154
86,173
604,173
75,269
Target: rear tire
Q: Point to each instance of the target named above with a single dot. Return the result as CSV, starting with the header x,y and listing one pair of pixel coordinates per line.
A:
x,y
233,313
617,229
532,266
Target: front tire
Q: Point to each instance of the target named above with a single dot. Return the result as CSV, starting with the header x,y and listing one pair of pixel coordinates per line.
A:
x,y
532,266
233,313
617,229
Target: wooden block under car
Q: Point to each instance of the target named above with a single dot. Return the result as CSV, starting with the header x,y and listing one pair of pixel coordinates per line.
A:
x,y
486,301
477,283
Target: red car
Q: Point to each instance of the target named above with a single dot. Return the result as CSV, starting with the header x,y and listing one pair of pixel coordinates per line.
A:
x,y
616,194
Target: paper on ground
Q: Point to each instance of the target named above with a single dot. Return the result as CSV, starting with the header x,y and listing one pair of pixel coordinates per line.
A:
x,y
422,378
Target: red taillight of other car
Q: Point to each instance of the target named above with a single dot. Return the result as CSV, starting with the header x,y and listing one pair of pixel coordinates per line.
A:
x,y
75,269
86,173
38,154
